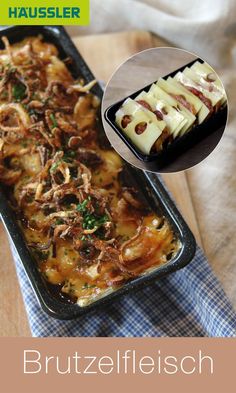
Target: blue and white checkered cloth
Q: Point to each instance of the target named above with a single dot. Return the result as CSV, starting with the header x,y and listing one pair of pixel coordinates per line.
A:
x,y
188,303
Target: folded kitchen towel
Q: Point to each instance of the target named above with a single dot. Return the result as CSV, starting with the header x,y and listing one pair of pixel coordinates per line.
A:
x,y
189,302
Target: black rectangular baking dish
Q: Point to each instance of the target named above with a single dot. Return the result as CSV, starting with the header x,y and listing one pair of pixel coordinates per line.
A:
x,y
179,145
150,185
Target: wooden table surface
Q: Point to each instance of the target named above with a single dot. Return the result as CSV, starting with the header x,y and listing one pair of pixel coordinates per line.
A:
x,y
204,194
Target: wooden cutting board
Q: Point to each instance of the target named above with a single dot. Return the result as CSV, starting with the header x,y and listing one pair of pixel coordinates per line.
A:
x,y
104,54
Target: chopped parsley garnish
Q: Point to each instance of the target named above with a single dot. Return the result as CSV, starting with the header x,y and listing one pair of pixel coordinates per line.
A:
x,y
85,238
87,286
81,207
18,91
54,166
53,119
90,220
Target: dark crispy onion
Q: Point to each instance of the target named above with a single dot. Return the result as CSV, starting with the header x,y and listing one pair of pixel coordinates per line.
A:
x,y
89,157
88,251
130,196
44,154
74,142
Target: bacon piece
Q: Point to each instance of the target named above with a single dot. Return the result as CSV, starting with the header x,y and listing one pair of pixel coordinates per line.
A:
x,y
130,197
158,114
145,104
126,120
140,127
162,138
182,100
201,97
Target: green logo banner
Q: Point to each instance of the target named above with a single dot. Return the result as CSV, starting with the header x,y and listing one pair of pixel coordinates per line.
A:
x,y
44,12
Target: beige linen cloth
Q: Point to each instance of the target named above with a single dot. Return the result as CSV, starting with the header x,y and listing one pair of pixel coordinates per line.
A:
x,y
207,27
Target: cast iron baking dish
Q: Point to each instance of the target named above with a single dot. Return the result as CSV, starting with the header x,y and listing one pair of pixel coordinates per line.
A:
x,y
149,185
215,123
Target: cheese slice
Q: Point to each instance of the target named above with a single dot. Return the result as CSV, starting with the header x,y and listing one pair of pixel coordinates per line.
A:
x,y
160,123
144,141
192,79
201,109
190,117
175,120
204,70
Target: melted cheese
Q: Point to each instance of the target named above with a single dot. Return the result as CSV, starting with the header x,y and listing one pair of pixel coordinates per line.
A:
x,y
173,87
175,121
204,70
154,128
190,78
190,117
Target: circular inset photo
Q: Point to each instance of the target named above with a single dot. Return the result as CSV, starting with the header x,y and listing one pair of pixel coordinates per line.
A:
x,y
164,110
